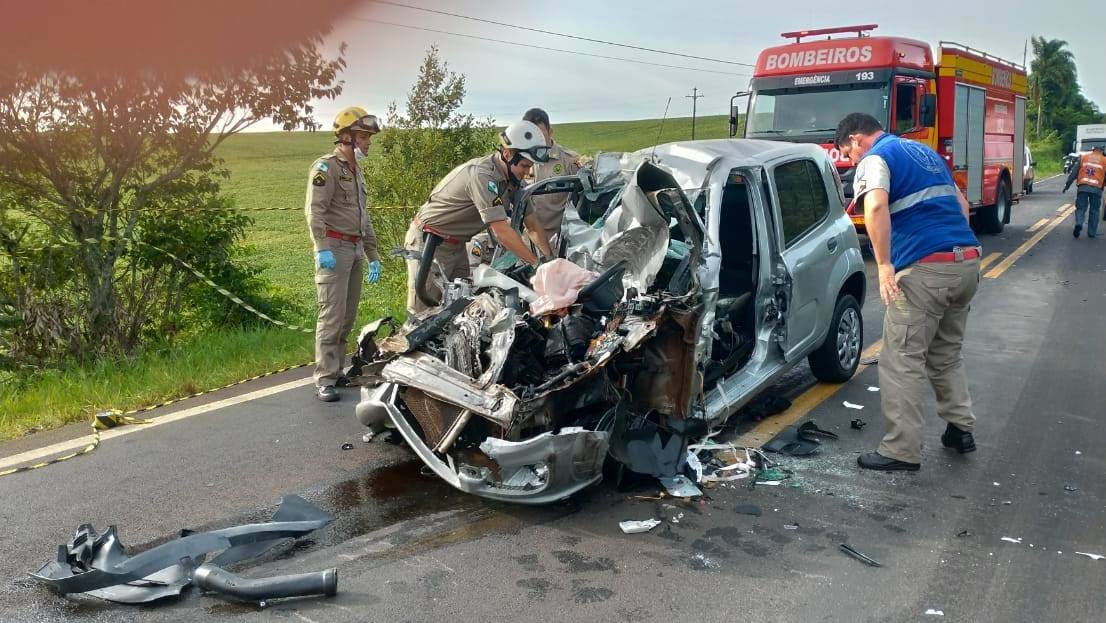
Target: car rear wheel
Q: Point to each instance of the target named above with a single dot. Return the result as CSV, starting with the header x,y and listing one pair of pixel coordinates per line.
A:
x,y
837,358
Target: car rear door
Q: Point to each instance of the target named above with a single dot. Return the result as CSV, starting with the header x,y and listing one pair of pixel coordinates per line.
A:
x,y
810,244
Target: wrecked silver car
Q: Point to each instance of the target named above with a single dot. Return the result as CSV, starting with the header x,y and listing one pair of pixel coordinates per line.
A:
x,y
712,267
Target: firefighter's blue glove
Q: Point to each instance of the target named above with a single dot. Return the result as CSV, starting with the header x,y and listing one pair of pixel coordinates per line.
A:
x,y
373,275
325,259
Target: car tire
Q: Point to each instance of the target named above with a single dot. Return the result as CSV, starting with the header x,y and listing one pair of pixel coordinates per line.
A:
x,y
992,219
836,360
1029,189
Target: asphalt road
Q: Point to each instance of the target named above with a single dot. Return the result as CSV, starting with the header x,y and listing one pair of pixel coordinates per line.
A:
x,y
409,548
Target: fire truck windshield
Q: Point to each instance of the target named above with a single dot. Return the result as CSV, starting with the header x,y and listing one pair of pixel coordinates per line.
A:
x,y
812,114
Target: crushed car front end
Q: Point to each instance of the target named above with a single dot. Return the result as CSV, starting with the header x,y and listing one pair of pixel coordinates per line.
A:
x,y
514,400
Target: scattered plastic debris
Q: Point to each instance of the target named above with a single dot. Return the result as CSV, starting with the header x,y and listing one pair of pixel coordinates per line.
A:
x,y
1012,540
1006,502
850,405
98,565
935,612
695,464
1077,453
748,509
870,361
772,474
873,388
636,527
1070,488
347,446
964,533
791,526
1091,556
864,558
769,483
680,486
704,562
996,484
857,424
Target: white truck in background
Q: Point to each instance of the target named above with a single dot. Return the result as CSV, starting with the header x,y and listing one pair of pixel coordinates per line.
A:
x,y
1087,137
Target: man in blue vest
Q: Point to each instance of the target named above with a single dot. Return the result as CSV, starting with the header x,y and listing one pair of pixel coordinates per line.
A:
x,y
928,261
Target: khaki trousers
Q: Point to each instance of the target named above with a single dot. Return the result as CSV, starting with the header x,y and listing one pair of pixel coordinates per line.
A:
x,y
452,257
338,291
923,331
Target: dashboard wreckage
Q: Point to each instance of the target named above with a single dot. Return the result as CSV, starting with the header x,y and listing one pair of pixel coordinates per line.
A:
x,y
689,277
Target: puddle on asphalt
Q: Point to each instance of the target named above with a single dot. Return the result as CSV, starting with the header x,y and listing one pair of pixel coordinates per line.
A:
x,y
385,496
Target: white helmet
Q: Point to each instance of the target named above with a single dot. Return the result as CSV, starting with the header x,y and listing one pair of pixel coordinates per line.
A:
x,y
527,140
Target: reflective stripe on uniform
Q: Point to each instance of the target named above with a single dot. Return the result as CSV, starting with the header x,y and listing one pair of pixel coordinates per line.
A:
x,y
913,199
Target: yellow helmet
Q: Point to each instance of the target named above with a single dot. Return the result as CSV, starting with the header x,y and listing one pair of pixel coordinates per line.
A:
x,y
356,118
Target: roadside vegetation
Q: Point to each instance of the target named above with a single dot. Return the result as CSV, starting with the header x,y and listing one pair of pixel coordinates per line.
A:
x,y
1056,105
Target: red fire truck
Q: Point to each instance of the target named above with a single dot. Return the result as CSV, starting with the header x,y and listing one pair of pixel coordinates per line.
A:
x,y
969,106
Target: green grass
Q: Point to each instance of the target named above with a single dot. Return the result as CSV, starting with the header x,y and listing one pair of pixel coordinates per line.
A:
x,y
1048,155
269,170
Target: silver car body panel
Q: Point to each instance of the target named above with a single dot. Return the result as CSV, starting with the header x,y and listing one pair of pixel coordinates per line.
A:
x,y
552,465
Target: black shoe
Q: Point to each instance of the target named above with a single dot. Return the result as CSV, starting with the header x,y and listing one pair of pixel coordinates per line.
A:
x,y
327,394
875,460
962,440
1078,228
343,381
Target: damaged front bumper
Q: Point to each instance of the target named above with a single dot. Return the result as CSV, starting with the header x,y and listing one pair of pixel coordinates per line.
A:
x,y
543,469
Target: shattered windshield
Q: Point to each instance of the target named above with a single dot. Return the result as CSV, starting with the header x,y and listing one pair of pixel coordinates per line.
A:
x,y
813,113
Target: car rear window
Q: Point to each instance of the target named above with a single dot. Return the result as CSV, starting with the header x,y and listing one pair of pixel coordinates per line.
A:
x,y
802,197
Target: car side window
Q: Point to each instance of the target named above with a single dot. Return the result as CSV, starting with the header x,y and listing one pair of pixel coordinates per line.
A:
x,y
802,198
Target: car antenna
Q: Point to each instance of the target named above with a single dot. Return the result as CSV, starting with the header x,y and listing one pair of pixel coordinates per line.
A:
x,y
657,142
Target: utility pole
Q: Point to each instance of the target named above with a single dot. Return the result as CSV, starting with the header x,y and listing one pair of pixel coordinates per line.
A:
x,y
694,97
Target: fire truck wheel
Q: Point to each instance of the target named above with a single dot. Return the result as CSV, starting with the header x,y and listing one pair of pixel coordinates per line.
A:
x,y
993,218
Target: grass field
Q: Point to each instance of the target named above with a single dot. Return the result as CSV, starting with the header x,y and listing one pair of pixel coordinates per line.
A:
x,y
269,170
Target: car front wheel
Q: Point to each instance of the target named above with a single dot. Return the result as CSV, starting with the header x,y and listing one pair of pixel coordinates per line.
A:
x,y
836,360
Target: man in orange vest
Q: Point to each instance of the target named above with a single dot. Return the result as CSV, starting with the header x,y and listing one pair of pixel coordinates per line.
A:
x,y
1090,177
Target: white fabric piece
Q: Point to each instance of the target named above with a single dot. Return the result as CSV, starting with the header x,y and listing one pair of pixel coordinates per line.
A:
x,y
557,285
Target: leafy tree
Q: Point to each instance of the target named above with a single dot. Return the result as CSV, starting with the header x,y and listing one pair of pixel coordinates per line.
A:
x,y
95,167
422,146
1054,92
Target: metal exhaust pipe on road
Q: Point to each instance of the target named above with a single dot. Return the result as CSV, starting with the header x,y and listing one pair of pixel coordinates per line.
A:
x,y
216,579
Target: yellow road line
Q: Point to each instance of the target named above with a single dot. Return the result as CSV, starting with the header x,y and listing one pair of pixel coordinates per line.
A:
x,y
985,262
997,271
763,432
1063,207
1039,224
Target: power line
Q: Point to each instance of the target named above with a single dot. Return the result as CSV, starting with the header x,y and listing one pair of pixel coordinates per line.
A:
x,y
560,34
540,47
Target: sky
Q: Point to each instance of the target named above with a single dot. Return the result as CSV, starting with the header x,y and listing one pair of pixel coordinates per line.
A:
x,y
504,80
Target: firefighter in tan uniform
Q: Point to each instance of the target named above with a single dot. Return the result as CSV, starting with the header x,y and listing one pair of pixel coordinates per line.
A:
x,y
343,236
544,221
1089,177
474,196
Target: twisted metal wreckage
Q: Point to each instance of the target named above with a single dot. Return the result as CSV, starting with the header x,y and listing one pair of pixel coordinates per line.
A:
x,y
513,405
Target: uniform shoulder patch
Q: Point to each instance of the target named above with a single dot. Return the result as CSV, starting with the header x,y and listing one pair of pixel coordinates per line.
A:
x,y
319,179
322,166
493,188
558,169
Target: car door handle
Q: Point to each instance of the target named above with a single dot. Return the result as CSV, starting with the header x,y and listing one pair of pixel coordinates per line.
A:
x,y
831,244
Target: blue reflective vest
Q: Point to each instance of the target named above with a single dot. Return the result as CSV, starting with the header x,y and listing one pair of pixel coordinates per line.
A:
x,y
925,212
